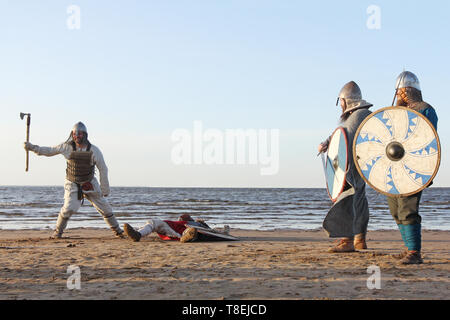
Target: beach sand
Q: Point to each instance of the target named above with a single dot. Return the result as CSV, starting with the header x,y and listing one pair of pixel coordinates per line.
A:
x,y
263,265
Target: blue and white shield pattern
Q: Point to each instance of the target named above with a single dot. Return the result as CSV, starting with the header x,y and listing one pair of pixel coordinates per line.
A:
x,y
411,166
336,163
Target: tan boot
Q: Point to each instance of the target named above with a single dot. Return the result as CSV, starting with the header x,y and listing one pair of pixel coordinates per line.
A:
x,y
56,235
189,235
131,232
360,241
61,224
344,245
119,234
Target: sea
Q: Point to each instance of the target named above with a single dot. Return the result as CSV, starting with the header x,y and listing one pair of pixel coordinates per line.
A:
x,y
32,207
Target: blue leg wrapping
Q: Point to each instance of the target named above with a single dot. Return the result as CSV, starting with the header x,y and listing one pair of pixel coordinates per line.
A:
x,y
402,232
413,236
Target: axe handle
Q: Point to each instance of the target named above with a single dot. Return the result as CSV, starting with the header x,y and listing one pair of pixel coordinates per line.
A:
x,y
28,140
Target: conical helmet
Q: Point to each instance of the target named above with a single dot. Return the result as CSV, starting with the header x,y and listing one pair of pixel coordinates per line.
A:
x,y
407,79
79,127
350,91
351,94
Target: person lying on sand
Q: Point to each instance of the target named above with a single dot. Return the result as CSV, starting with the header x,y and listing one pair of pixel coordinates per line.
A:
x,y
182,230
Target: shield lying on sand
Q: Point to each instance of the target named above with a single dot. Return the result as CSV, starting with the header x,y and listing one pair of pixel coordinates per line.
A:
x,y
336,163
212,232
397,151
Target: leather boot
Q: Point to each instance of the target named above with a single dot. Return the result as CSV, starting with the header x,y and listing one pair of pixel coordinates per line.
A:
x,y
131,232
189,235
114,225
400,255
61,224
360,241
344,245
412,257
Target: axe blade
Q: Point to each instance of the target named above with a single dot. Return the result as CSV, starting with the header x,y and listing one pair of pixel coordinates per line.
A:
x,y
22,115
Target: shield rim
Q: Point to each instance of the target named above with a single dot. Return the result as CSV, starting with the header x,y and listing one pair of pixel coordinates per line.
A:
x,y
346,163
359,169
213,233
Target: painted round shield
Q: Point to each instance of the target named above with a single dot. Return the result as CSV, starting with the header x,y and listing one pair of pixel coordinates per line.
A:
x,y
336,163
397,151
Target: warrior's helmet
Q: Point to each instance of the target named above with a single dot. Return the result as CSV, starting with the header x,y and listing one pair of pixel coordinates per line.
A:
x,y
407,79
350,91
408,88
351,94
79,127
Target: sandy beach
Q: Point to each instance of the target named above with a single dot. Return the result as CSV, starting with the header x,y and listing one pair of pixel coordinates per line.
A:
x,y
263,265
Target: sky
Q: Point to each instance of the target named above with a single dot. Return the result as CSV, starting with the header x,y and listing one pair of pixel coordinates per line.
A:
x,y
136,72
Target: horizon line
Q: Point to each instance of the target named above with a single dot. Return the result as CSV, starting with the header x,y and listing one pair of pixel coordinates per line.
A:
x,y
196,187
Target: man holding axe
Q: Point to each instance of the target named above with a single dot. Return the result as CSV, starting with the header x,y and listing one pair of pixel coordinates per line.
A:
x,y
82,158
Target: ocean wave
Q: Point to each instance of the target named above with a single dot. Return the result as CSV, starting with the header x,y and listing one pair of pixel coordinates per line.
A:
x,y
29,204
253,208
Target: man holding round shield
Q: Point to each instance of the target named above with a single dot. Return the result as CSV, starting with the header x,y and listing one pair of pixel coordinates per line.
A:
x,y
349,216
405,210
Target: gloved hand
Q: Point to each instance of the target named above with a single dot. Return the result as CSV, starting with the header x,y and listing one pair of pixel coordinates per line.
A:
x,y
202,222
29,146
323,146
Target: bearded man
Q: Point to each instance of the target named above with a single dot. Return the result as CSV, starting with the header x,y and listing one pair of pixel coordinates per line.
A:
x,y
405,210
349,216
82,158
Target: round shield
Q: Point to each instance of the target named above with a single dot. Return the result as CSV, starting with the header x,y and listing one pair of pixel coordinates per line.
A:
x,y
397,151
336,163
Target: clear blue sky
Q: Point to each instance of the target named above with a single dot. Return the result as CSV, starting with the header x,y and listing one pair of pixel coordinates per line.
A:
x,y
137,70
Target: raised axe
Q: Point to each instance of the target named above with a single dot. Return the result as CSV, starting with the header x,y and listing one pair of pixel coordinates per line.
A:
x,y
28,131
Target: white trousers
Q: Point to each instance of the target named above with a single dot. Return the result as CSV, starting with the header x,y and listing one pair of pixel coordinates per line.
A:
x,y
72,205
159,226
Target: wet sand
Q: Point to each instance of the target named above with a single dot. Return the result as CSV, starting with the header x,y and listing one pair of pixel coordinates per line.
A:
x,y
263,265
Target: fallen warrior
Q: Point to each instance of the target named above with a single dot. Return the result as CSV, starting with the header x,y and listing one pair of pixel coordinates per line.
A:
x,y
185,229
